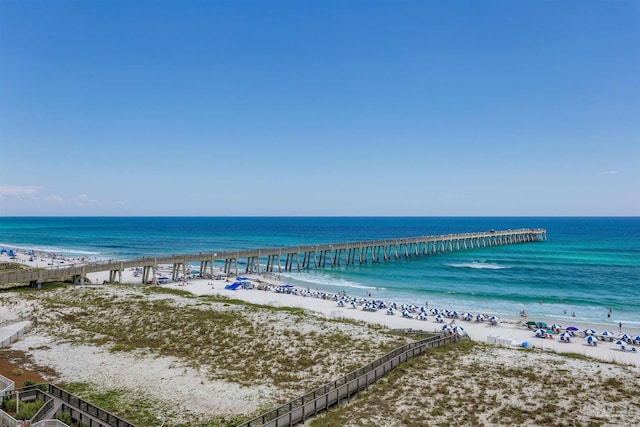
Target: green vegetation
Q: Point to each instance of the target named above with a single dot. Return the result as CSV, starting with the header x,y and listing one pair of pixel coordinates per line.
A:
x,y
284,348
469,383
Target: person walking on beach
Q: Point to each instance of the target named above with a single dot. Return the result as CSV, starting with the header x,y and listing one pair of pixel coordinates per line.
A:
x,y
620,326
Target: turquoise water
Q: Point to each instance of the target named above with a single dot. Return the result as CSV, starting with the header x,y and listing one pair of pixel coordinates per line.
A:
x,y
586,266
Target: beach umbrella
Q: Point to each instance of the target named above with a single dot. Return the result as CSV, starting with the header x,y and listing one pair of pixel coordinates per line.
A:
x,y
591,339
539,332
390,310
555,326
571,328
636,339
532,324
446,327
423,309
340,303
542,325
454,314
459,330
434,311
479,317
550,331
589,332
566,337
624,337
439,318
620,343
607,334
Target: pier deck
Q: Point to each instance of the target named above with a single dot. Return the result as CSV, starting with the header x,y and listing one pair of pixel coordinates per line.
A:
x,y
288,258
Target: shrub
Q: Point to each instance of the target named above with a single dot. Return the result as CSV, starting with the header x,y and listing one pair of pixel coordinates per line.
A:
x,y
28,383
28,410
65,417
9,405
17,372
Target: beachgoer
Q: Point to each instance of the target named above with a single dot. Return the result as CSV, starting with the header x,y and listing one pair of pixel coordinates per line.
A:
x,y
620,325
565,311
573,314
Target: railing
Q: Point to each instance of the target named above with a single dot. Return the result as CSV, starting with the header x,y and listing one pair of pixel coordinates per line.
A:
x,y
15,337
49,423
106,418
8,420
333,393
44,409
6,384
13,321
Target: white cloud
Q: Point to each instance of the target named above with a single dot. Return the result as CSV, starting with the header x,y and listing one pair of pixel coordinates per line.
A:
x,y
18,190
611,172
54,198
83,200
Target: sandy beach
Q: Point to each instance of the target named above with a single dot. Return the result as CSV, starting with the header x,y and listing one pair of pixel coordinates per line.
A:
x,y
184,389
507,330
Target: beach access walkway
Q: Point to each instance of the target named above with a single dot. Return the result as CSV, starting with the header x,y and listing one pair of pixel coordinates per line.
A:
x,y
281,259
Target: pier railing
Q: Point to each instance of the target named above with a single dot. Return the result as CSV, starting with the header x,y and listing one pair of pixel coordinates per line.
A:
x,y
342,389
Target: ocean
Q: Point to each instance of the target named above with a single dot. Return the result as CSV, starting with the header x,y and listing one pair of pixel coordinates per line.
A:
x,y
587,265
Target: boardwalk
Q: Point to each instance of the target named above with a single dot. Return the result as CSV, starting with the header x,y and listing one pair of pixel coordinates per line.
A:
x,y
287,258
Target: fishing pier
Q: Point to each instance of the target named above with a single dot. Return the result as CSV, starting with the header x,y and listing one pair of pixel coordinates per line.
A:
x,y
283,259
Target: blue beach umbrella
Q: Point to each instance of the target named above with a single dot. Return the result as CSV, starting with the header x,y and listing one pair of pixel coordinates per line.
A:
x,y
555,326
538,332
434,311
591,339
607,334
571,328
566,337
636,339
624,337
589,332
446,327
439,318
459,330
621,343
479,317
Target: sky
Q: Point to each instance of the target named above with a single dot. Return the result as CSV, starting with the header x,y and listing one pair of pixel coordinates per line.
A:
x,y
319,108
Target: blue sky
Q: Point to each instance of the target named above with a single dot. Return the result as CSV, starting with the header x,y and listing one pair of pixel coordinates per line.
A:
x,y
319,108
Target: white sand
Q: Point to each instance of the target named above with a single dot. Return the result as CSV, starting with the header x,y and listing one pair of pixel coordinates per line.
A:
x,y
507,328
477,331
